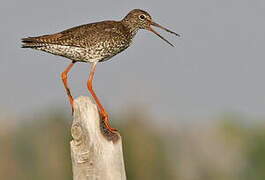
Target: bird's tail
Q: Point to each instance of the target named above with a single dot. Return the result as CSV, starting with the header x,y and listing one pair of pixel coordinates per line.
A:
x,y
35,42
31,42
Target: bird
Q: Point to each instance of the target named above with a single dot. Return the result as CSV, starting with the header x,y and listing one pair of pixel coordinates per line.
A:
x,y
94,43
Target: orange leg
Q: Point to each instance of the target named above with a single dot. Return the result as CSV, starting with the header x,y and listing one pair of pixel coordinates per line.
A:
x,y
102,111
64,78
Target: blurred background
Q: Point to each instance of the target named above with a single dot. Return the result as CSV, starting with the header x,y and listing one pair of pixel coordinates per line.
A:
x,y
198,107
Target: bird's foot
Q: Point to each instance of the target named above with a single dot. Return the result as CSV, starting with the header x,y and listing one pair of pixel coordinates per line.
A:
x,y
106,123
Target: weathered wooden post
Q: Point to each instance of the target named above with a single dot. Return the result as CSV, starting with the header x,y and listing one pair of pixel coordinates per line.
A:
x,y
96,153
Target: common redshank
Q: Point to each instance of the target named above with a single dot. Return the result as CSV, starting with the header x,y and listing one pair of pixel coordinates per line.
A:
x,y
93,43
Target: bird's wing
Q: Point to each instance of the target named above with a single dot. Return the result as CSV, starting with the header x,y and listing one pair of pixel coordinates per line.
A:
x,y
82,36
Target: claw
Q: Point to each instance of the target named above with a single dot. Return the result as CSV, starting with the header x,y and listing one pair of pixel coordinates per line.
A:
x,y
106,122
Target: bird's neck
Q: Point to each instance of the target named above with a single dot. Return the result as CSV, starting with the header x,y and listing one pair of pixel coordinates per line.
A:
x,y
130,26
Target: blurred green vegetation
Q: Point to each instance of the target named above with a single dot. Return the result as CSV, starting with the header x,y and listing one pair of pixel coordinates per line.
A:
x,y
38,149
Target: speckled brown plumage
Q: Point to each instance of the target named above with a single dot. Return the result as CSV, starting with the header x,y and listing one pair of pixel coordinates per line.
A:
x,y
93,43
90,42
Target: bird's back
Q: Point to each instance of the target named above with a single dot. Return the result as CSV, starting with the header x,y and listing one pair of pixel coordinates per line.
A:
x,y
91,42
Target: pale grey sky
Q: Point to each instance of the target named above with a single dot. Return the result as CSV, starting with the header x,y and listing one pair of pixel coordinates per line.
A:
x,y
217,66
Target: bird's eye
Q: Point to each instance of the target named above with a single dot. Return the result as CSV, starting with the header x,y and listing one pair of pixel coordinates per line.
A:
x,y
142,17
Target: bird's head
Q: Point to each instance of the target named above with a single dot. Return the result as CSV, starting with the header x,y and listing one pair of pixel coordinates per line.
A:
x,y
139,19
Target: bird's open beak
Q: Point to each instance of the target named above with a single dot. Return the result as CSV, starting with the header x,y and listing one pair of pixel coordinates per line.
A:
x,y
161,27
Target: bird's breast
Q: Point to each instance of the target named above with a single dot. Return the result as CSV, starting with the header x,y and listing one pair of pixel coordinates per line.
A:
x,y
108,48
